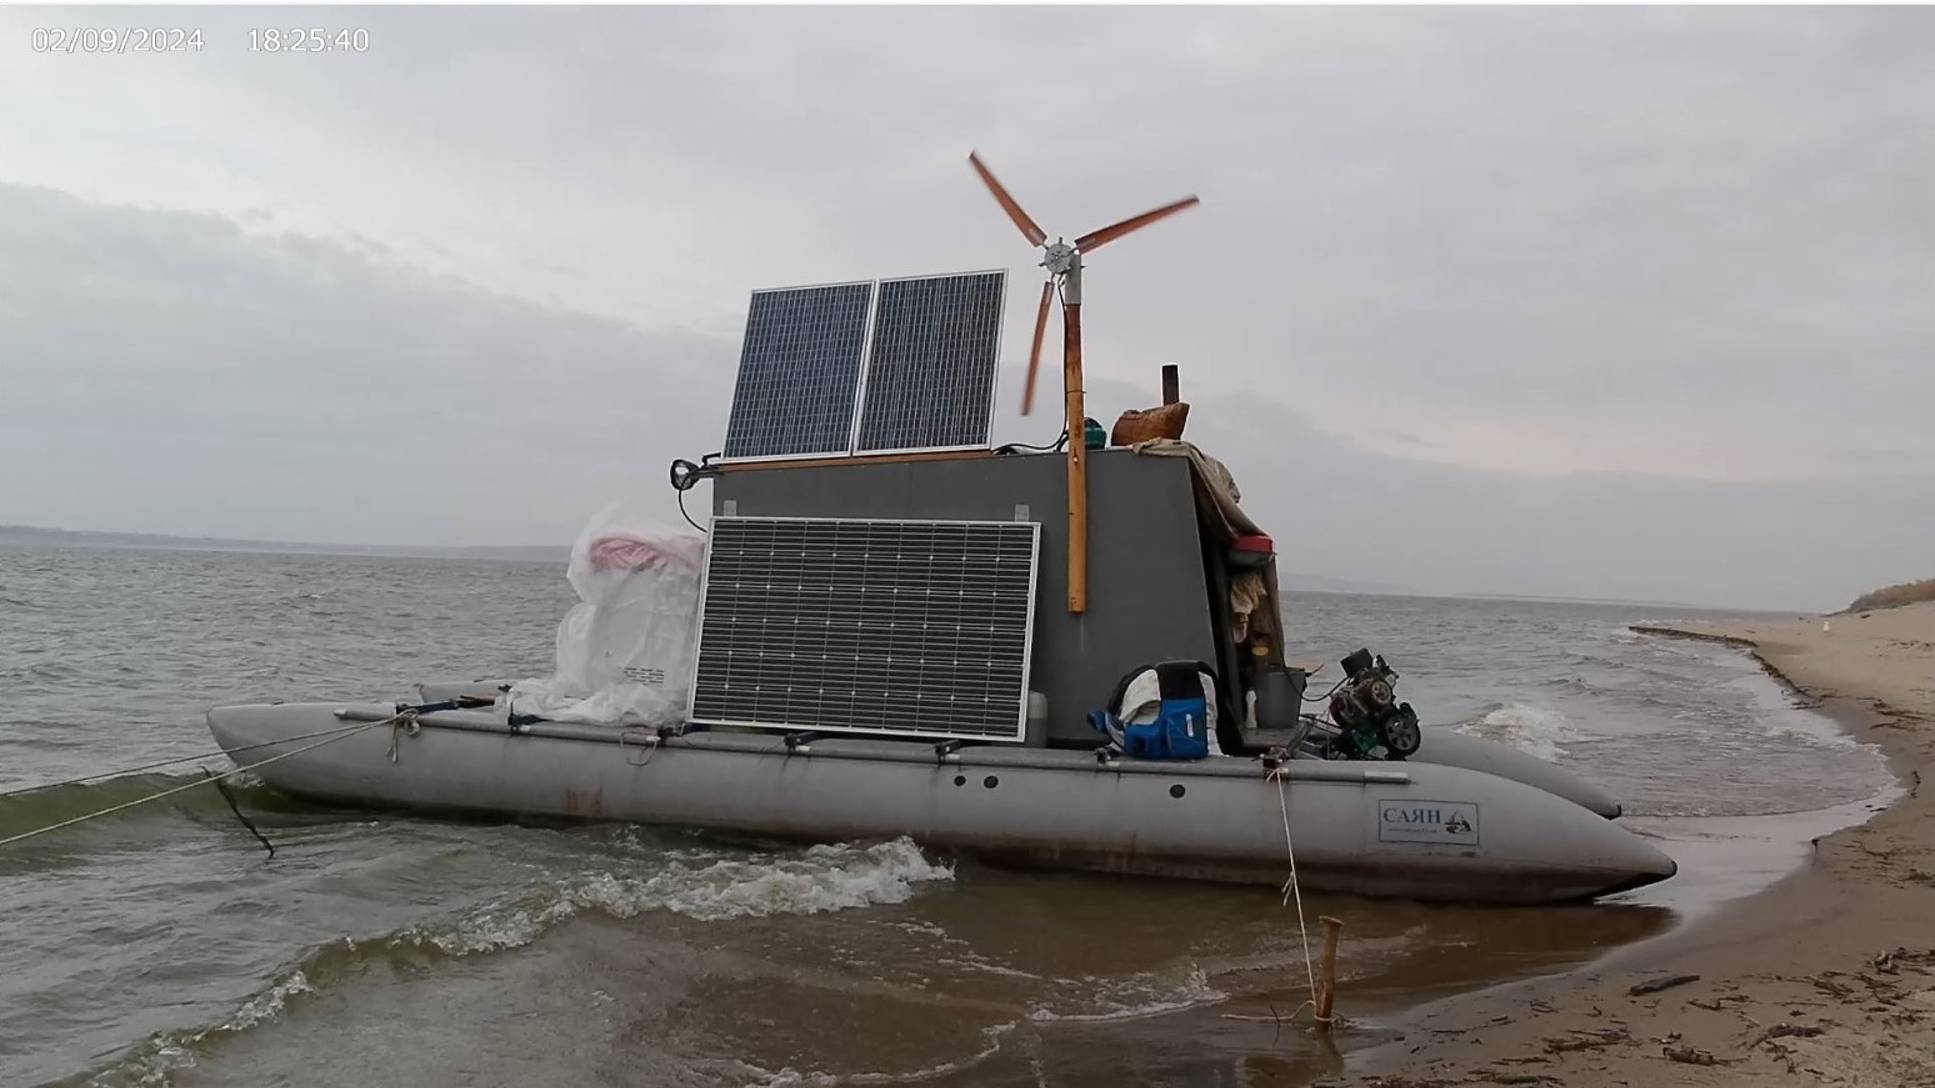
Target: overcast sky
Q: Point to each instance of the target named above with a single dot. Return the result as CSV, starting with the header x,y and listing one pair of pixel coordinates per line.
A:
x,y
1604,302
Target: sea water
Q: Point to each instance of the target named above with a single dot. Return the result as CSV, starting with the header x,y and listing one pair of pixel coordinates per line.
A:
x,y
163,946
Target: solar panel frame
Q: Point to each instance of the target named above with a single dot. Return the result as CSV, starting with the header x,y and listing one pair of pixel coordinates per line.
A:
x,y
742,384
857,443
1031,529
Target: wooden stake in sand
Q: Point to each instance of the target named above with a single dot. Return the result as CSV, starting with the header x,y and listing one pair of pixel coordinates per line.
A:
x,y
1327,977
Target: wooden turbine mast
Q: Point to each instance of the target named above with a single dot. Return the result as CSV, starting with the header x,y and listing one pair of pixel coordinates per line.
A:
x,y
1063,260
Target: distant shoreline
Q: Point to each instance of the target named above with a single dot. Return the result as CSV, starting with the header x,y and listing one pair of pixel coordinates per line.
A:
x,y
1541,599
19,536
14,536
30,536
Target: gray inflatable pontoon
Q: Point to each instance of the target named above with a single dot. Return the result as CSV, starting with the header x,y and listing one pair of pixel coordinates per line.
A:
x,y
1414,829
1454,749
1443,745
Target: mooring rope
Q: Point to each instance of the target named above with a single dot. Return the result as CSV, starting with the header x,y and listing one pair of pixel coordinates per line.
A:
x,y
343,734
100,775
405,721
1290,888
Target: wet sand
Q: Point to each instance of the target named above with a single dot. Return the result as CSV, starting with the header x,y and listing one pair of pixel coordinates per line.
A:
x,y
1828,977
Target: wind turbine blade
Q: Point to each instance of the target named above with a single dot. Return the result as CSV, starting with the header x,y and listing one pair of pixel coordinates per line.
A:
x,y
1106,235
1035,235
1034,353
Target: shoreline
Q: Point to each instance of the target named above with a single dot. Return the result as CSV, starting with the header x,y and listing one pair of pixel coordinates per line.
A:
x,y
1825,977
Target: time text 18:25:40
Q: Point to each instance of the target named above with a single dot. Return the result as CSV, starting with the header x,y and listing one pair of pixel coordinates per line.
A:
x,y
308,39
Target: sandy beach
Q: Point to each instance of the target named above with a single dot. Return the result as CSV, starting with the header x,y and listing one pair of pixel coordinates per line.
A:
x,y
1828,977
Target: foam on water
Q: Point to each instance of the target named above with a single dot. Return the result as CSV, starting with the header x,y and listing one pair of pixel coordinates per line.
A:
x,y
1534,730
154,1062
820,878
1114,1000
788,1076
814,880
268,1004
1777,710
976,962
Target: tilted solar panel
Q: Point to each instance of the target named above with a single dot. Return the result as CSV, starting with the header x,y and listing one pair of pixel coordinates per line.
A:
x,y
799,371
896,627
936,346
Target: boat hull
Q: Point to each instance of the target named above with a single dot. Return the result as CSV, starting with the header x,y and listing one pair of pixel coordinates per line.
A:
x,y
1453,749
1415,830
1442,745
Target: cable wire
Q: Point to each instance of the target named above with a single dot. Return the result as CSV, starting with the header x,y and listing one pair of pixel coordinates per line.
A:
x,y
686,516
1052,447
1327,694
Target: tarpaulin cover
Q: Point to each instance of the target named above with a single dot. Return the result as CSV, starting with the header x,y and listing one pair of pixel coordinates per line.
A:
x,y
625,650
1216,493
1218,512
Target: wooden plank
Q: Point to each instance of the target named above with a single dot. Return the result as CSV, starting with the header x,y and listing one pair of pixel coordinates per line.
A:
x,y
862,459
1077,460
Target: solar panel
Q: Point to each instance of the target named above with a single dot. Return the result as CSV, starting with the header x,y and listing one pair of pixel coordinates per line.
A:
x,y
931,369
799,371
897,627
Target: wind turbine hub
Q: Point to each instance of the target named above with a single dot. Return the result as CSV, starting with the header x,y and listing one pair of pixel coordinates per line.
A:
x,y
1058,257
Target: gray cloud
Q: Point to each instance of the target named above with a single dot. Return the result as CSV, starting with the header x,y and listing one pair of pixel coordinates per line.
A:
x,y
168,372
1341,510
1601,269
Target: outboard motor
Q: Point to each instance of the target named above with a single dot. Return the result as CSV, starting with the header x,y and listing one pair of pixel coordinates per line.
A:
x,y
1367,713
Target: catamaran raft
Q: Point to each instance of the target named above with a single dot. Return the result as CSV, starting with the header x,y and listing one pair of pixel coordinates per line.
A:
x,y
891,628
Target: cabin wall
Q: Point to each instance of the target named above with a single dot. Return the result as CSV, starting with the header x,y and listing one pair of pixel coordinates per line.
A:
x,y
1147,597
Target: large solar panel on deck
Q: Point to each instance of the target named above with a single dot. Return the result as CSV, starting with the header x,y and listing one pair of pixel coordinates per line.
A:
x,y
931,368
899,627
799,371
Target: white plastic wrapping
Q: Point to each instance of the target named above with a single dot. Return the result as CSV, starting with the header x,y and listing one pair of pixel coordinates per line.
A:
x,y
625,650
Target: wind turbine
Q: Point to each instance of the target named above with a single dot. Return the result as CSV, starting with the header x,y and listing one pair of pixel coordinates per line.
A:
x,y
1063,260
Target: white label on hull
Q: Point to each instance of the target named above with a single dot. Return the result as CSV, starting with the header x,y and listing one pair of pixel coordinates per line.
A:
x,y
1408,820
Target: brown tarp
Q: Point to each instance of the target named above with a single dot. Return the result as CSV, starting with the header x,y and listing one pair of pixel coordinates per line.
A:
x,y
1216,492
1217,508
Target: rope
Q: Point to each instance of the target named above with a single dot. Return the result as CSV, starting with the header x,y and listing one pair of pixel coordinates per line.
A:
x,y
405,721
348,731
86,778
1290,889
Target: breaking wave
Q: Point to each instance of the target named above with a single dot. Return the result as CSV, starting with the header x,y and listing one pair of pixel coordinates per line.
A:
x,y
1533,730
811,881
152,1064
818,879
